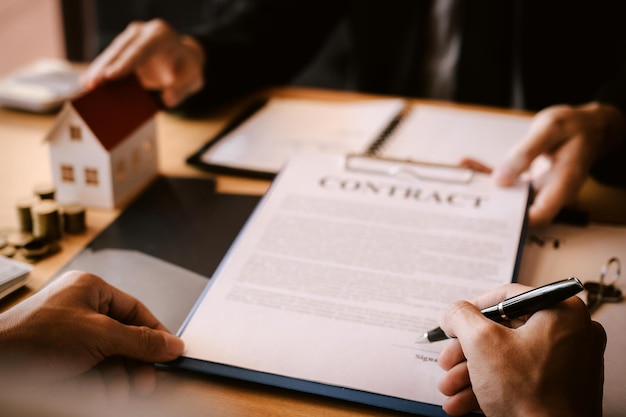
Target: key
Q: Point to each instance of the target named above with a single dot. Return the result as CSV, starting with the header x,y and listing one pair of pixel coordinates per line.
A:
x,y
599,292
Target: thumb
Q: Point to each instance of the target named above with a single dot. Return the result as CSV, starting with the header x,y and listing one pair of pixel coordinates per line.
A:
x,y
507,172
143,343
517,162
538,140
547,131
464,321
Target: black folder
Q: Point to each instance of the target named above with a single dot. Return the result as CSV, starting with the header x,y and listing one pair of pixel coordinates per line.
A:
x,y
166,244
182,221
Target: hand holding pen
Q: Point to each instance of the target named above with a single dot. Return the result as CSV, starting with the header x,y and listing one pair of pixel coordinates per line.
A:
x,y
552,364
519,305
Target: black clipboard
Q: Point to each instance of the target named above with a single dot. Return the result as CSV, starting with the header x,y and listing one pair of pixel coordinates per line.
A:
x,y
196,160
179,220
310,387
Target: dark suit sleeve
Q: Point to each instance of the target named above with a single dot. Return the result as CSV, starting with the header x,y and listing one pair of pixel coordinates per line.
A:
x,y
260,43
611,168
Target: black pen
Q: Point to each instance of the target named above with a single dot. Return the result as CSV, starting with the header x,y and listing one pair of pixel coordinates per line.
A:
x,y
525,303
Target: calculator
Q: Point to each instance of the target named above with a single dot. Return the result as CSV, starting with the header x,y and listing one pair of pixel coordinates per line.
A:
x,y
13,275
41,87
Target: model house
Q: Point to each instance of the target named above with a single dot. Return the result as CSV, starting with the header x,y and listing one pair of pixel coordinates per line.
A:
x,y
103,145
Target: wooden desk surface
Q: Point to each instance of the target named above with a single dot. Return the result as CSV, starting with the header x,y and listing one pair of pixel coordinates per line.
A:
x,y
24,163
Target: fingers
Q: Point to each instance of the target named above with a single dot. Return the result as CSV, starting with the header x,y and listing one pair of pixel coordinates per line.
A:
x,y
457,387
136,333
175,94
546,132
125,308
451,355
161,57
139,342
462,315
130,50
600,337
559,133
187,72
96,73
456,384
152,36
462,403
456,380
572,137
556,188
463,320
475,165
496,295
125,327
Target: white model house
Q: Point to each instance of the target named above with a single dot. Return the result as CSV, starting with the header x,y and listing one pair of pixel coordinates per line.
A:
x,y
103,145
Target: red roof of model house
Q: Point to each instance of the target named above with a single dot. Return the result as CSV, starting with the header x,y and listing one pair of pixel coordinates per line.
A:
x,y
115,109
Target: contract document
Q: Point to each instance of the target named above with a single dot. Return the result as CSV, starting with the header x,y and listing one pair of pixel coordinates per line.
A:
x,y
339,270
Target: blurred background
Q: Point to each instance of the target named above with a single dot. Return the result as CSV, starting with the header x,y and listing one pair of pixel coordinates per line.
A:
x,y
78,29
29,30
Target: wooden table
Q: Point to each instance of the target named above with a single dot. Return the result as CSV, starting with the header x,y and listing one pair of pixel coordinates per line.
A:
x,y
24,163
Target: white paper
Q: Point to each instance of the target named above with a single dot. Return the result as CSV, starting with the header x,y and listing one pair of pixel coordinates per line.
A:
x,y
446,135
337,274
284,127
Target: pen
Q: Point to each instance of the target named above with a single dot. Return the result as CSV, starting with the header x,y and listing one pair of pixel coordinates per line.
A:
x,y
525,303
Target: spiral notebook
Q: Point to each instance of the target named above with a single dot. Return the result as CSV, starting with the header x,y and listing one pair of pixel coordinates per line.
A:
x,y
261,139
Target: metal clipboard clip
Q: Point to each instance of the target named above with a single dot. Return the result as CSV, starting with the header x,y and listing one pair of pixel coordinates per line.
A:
x,y
417,170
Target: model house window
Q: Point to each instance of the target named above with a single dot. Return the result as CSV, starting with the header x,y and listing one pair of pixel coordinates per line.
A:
x,y
67,173
75,132
91,176
135,160
120,171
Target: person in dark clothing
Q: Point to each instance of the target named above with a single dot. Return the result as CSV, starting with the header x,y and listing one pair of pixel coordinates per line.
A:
x,y
564,58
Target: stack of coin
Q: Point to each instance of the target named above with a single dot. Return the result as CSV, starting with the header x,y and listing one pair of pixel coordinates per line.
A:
x,y
46,221
45,191
74,219
35,249
19,239
24,214
15,241
42,224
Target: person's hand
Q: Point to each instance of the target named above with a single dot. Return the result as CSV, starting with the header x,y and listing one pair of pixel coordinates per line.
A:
x,y
73,325
572,138
549,364
162,58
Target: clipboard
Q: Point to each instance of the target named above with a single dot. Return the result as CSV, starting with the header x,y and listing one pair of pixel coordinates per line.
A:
x,y
196,159
254,233
417,170
370,123
260,140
